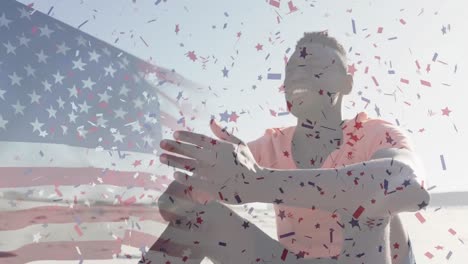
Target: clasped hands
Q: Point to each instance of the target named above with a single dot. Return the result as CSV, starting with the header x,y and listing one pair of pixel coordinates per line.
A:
x,y
224,167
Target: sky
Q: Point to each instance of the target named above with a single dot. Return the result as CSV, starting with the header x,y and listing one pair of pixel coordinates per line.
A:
x,y
229,48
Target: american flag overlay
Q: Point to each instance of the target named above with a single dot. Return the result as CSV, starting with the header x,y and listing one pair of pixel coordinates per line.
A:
x,y
80,126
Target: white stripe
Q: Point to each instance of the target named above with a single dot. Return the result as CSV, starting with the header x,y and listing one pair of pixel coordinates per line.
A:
x,y
26,154
66,232
101,194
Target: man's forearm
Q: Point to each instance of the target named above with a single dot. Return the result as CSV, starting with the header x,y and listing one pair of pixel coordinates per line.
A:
x,y
379,187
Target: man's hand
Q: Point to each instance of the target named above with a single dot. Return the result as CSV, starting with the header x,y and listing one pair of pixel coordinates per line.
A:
x,y
224,167
174,203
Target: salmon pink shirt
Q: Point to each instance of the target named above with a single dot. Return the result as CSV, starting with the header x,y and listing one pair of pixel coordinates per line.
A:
x,y
308,229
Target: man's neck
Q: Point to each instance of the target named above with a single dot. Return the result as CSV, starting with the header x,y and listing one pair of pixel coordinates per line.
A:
x,y
323,122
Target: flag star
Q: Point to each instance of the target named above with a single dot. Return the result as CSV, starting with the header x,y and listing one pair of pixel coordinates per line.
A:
x,y
9,48
4,22
47,86
51,111
73,92
124,90
81,131
125,61
109,71
64,129
72,117
2,92
41,57
62,48
3,123
15,79
120,113
148,140
101,122
18,108
58,77
88,83
104,97
74,107
36,237
25,13
60,102
36,125
78,64
24,40
106,51
34,97
30,71
84,107
45,31
135,126
43,133
150,118
81,41
138,103
94,56
153,178
118,137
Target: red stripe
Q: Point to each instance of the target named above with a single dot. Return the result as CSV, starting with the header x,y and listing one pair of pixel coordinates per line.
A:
x,y
12,220
66,250
11,177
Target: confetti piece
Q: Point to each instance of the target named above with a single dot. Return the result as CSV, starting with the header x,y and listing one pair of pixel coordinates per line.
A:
x,y
402,21
420,217
274,76
417,65
82,24
434,58
428,255
425,83
287,235
358,212
146,44
375,81
78,230
404,81
284,254
448,255
365,99
283,113
130,201
354,26
238,199
379,30
222,243
275,3
451,231
392,38
442,160
50,10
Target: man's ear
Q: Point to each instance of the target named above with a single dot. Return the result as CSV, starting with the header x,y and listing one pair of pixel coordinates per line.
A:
x,y
349,84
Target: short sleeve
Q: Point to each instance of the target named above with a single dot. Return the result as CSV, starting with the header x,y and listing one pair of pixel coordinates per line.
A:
x,y
386,135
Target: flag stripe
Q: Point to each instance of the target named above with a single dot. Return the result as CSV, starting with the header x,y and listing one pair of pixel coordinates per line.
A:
x,y
84,232
26,177
27,154
12,220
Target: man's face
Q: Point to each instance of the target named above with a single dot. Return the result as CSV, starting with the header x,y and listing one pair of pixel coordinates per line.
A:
x,y
314,78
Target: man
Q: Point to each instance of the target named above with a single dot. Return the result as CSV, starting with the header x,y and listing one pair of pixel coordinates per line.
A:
x,y
343,214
